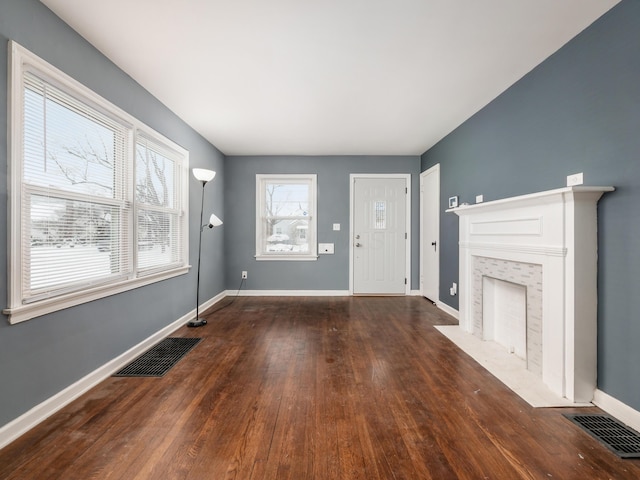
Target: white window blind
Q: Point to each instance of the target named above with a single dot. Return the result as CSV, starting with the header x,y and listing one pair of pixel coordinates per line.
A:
x,y
98,200
75,209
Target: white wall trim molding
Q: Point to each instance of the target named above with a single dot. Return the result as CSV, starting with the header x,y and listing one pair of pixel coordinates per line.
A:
x,y
25,422
447,309
208,304
525,249
289,293
616,408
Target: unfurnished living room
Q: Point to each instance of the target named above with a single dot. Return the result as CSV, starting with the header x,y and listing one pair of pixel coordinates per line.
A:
x,y
338,240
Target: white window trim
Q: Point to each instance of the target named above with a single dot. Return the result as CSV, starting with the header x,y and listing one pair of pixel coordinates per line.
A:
x,y
312,233
17,311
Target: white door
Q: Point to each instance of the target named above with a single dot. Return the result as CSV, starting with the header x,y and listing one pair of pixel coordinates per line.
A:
x,y
379,235
430,233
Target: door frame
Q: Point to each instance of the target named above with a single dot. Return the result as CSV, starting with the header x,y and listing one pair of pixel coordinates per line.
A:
x,y
407,179
424,197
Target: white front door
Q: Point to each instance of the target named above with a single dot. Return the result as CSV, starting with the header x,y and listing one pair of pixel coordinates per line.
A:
x,y
379,235
430,233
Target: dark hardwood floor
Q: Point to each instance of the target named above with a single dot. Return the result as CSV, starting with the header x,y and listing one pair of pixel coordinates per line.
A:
x,y
313,388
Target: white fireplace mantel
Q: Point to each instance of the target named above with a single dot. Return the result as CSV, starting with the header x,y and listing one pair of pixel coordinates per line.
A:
x,y
556,229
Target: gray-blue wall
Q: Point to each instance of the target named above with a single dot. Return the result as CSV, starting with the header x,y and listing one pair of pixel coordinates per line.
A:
x,y
329,272
579,111
42,356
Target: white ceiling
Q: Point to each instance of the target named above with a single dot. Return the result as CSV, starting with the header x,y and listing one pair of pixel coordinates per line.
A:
x,y
302,77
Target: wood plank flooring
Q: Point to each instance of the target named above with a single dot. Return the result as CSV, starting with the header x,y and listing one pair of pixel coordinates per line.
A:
x,y
313,388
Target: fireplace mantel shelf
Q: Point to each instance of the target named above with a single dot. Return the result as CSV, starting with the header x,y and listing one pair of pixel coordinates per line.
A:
x,y
531,197
557,231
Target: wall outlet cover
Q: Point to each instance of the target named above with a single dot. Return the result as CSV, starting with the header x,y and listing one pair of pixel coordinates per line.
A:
x,y
575,179
325,248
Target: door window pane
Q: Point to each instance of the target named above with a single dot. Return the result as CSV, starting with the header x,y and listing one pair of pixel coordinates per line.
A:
x,y
380,214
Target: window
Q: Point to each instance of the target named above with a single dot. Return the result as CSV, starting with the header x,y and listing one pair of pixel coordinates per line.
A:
x,y
286,217
158,214
97,199
380,212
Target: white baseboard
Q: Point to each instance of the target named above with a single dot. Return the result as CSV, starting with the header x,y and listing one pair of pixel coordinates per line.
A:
x,y
42,411
289,293
209,303
299,293
616,408
447,309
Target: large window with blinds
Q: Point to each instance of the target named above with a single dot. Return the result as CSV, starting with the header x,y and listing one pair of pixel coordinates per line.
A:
x,y
97,199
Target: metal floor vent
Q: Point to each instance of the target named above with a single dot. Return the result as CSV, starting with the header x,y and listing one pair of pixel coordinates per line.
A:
x,y
622,440
159,359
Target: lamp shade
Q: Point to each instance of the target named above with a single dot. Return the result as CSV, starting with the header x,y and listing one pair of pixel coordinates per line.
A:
x,y
214,221
203,175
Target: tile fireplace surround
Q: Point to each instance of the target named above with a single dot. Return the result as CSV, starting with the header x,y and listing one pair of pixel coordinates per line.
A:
x,y
555,232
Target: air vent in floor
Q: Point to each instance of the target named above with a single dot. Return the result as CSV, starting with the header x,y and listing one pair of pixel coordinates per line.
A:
x,y
159,359
622,440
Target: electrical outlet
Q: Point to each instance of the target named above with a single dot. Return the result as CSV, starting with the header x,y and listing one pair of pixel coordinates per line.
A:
x,y
575,179
479,198
244,274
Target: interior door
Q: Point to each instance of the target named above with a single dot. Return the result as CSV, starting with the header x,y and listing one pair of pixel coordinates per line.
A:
x,y
430,233
379,236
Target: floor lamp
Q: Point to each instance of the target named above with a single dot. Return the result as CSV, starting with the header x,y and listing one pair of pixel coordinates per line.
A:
x,y
204,176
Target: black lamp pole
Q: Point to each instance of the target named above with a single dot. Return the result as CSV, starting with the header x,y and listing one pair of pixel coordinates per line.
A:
x,y
199,322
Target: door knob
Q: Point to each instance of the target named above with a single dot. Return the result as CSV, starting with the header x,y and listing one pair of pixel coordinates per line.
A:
x,y
434,245
358,245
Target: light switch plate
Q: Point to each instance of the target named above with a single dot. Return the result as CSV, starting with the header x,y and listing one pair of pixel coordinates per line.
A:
x,y
336,227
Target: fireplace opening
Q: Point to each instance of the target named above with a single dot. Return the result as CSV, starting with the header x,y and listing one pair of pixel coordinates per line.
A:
x,y
508,307
504,315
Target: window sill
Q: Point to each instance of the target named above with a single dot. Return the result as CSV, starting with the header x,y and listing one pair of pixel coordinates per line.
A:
x,y
290,258
25,312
